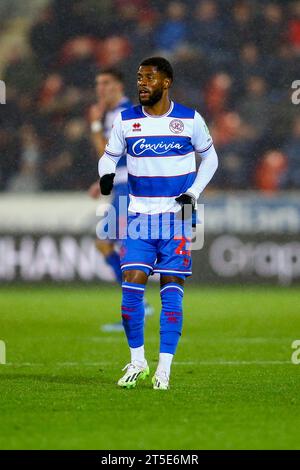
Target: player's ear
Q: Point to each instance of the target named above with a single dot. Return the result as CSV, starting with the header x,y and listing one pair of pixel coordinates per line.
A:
x,y
167,83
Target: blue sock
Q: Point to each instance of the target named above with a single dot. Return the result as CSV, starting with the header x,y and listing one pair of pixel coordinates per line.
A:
x,y
133,313
171,317
114,261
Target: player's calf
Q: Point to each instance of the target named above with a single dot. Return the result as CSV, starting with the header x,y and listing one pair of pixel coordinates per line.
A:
x,y
170,332
171,317
133,313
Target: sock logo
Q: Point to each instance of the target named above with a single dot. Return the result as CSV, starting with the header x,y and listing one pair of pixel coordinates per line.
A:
x,y
125,316
173,317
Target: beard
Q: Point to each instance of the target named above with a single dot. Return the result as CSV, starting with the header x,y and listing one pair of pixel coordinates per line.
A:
x,y
154,98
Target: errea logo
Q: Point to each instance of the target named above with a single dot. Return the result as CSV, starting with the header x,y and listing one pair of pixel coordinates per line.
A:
x,y
136,127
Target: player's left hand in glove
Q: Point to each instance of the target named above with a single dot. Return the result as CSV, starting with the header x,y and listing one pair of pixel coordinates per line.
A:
x,y
188,204
107,183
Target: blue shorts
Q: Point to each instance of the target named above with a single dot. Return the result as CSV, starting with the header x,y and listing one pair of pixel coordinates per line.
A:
x,y
159,246
113,225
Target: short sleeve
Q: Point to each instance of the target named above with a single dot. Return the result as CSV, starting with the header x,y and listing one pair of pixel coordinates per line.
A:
x,y
116,145
201,139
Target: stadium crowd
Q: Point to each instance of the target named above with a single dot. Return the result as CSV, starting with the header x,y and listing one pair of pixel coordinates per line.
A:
x,y
234,61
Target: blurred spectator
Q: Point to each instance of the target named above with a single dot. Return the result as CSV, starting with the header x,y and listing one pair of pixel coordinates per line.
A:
x,y
241,28
292,151
57,100
172,32
22,73
217,94
272,28
9,161
27,180
80,18
207,30
294,26
235,142
78,62
70,164
143,34
113,51
45,38
255,108
251,62
52,87
281,67
270,171
186,88
283,115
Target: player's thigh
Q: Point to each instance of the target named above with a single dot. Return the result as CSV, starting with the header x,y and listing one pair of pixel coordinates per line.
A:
x,y
138,255
166,279
174,258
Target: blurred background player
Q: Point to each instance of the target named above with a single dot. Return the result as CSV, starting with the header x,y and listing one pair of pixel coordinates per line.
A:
x,y
110,101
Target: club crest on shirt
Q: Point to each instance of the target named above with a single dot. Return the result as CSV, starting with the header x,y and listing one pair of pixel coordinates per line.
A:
x,y
176,126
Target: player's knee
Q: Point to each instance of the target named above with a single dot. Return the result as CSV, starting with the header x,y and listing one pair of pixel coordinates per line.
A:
x,y
167,279
135,276
105,248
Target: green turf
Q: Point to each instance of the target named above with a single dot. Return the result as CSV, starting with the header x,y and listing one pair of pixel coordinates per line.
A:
x,y
233,385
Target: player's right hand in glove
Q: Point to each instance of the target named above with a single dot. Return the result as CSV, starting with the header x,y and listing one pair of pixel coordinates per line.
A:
x,y
188,205
107,183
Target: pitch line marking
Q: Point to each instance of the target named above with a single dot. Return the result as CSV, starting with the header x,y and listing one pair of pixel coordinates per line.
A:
x,y
2,352
179,363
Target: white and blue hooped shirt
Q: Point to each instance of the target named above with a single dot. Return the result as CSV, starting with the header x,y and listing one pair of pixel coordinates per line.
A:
x,y
110,116
160,153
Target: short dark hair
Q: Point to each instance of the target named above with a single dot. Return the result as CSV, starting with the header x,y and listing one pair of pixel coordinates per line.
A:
x,y
162,65
113,72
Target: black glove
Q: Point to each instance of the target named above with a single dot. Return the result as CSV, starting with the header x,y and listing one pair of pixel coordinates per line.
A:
x,y
186,200
106,184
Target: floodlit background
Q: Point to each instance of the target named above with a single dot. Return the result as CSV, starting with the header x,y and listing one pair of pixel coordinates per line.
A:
x,y
235,383
237,62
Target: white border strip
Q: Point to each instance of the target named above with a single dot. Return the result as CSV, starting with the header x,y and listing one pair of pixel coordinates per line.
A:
x,y
170,271
134,288
172,287
136,264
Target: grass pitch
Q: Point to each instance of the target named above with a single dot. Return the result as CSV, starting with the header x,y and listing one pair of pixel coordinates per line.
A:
x,y
233,384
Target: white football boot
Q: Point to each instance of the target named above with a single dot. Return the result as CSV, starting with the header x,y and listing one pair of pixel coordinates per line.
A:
x,y
135,371
160,380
